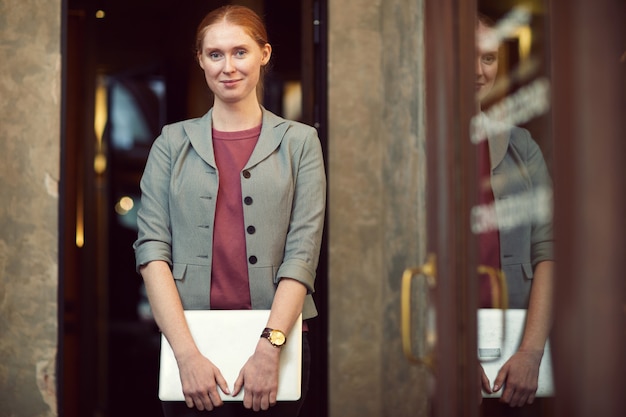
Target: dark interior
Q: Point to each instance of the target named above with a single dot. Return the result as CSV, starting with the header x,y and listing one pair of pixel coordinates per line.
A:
x,y
140,55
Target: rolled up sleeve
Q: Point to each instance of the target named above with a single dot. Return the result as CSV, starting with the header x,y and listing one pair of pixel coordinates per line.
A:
x,y
154,241
302,246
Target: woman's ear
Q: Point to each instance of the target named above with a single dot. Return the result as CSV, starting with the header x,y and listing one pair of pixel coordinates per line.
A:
x,y
266,53
199,59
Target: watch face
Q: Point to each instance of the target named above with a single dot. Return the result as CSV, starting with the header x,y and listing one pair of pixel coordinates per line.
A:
x,y
277,338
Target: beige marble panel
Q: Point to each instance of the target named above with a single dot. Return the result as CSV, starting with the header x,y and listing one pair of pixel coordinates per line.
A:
x,y
30,110
376,211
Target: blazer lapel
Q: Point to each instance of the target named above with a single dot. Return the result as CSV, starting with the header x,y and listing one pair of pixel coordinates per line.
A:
x,y
199,133
272,133
498,135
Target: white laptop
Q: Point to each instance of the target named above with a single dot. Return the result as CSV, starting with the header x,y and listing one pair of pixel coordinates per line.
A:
x,y
239,332
494,350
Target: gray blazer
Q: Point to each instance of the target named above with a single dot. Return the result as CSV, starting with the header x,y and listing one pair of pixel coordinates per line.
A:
x,y
523,192
284,198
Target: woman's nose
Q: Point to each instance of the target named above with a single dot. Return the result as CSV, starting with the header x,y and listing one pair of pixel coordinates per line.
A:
x,y
479,67
229,66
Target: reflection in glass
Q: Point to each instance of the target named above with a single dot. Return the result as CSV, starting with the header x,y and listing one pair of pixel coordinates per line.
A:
x,y
135,107
512,218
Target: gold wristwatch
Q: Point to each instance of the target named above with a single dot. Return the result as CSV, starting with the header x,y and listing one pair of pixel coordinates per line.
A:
x,y
276,337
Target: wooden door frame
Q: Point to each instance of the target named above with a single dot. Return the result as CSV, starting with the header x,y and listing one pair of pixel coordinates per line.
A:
x,y
450,104
589,100
314,75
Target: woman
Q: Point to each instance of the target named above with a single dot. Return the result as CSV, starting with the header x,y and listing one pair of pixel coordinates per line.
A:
x,y
514,167
231,217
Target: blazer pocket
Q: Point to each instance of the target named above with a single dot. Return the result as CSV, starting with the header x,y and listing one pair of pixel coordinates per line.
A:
x,y
528,270
193,285
262,286
518,281
178,271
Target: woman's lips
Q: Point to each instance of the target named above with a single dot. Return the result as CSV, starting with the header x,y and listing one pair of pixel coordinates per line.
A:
x,y
230,83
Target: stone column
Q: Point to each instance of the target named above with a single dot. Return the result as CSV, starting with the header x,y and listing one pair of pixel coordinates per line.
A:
x,y
376,204
30,113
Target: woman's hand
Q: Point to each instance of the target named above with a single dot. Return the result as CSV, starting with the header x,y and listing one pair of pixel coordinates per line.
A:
x,y
483,383
200,379
259,377
519,376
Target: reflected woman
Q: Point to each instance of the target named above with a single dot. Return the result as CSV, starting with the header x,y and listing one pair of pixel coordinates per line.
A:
x,y
512,166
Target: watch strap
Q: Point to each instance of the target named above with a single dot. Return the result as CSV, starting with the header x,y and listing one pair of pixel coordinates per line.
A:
x,y
276,337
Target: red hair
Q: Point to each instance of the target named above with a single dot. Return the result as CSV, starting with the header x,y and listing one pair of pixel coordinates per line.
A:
x,y
237,15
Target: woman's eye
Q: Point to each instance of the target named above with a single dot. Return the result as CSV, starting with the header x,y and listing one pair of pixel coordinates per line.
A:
x,y
214,55
240,53
488,59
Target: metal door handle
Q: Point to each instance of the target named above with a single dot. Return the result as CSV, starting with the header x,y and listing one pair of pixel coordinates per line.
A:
x,y
499,299
428,273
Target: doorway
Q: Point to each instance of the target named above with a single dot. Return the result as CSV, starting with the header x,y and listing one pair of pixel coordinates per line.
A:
x,y
130,70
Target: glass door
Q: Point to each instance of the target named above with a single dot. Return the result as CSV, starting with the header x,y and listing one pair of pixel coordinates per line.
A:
x,y
489,211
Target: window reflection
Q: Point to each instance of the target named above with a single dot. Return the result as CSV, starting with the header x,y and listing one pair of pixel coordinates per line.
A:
x,y
512,218
136,107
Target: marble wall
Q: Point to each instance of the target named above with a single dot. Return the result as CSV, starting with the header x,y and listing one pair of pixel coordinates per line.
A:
x,y
30,112
376,212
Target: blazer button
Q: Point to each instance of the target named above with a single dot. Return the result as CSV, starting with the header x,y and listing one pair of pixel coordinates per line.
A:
x,y
252,259
251,230
246,174
247,201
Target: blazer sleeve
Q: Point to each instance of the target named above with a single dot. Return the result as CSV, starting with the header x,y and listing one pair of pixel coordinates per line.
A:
x,y
154,241
542,244
303,241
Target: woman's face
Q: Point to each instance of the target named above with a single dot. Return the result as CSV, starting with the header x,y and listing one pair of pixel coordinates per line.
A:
x,y
486,61
232,62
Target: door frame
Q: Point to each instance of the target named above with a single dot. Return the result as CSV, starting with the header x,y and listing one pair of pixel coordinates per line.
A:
x,y
589,99
450,104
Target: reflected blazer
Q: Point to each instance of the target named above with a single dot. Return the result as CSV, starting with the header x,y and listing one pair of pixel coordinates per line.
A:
x,y
283,195
522,190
